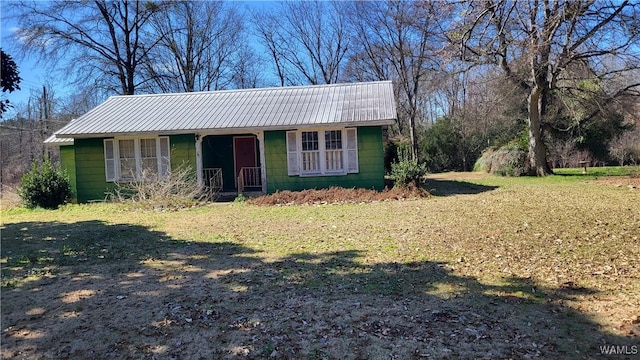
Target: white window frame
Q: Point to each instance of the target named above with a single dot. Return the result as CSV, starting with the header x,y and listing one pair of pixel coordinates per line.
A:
x,y
112,158
349,152
313,156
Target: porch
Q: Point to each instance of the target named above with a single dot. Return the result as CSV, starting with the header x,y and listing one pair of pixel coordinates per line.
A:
x,y
249,179
232,164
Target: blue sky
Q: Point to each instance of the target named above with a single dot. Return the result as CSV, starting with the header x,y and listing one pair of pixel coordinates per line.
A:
x,y
35,75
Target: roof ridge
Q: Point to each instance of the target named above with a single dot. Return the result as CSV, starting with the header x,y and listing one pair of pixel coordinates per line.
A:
x,y
254,89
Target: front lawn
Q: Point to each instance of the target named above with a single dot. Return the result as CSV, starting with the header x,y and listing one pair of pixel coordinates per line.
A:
x,y
486,268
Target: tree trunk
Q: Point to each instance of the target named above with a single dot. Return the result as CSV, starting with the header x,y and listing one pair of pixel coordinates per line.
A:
x,y
413,136
537,152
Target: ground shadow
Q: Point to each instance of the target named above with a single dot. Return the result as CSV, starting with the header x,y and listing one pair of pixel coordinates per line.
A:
x,y
97,290
441,187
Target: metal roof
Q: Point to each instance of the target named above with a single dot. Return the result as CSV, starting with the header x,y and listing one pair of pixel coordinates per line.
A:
x,y
355,104
56,141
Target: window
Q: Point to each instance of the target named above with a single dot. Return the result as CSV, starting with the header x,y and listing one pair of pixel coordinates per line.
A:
x,y
149,157
333,150
326,152
129,159
310,152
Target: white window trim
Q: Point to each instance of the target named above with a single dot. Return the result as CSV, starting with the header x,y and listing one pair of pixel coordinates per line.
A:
x,y
114,160
320,152
296,169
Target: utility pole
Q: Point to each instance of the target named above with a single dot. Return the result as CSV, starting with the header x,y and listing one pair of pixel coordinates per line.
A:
x,y
31,142
44,117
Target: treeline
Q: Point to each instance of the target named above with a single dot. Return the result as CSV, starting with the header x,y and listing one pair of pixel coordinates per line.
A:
x,y
560,80
494,115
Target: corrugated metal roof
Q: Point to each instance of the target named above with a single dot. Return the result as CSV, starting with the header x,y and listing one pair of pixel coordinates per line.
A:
x,y
56,141
370,103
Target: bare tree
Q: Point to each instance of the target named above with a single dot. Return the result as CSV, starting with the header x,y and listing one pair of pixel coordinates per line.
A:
x,y
537,43
22,135
561,151
400,41
626,147
247,69
307,41
104,42
267,30
199,41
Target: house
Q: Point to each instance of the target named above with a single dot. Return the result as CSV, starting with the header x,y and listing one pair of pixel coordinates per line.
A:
x,y
287,138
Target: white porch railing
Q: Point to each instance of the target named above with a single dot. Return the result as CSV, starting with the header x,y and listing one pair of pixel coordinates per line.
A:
x,y
249,177
212,178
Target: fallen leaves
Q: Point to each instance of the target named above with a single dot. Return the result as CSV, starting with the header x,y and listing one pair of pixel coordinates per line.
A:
x,y
529,270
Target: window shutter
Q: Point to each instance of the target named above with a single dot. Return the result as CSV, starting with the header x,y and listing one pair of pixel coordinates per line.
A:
x,y
109,160
352,150
164,159
292,153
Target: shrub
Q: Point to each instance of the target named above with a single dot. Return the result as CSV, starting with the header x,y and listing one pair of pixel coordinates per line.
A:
x,y
391,153
179,190
442,146
44,186
483,164
240,198
509,160
407,170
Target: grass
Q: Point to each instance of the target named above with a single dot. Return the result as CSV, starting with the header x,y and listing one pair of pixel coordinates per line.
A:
x,y
494,267
600,171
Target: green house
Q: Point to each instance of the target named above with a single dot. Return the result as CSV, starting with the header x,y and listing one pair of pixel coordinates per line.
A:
x,y
262,140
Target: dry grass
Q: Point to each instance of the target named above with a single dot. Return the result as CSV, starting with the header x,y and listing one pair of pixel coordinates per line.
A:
x,y
487,268
9,199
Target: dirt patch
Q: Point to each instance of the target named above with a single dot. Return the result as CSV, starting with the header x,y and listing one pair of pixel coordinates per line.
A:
x,y
631,182
337,195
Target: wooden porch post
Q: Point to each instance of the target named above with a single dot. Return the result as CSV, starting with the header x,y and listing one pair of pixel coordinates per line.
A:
x,y
199,160
263,167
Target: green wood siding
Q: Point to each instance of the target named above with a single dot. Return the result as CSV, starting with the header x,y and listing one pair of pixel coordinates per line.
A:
x,y
90,169
183,151
370,159
90,172
90,183
68,165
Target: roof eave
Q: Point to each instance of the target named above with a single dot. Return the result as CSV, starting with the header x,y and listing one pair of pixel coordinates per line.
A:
x,y
227,130
54,141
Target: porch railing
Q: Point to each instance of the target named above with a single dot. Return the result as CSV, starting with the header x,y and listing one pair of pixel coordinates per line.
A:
x,y
249,177
212,178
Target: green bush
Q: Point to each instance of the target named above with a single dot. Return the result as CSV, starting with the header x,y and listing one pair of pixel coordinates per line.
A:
x,y
44,186
508,160
390,154
483,164
442,146
240,198
407,170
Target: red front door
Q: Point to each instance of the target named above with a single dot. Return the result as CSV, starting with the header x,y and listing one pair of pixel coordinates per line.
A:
x,y
244,150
